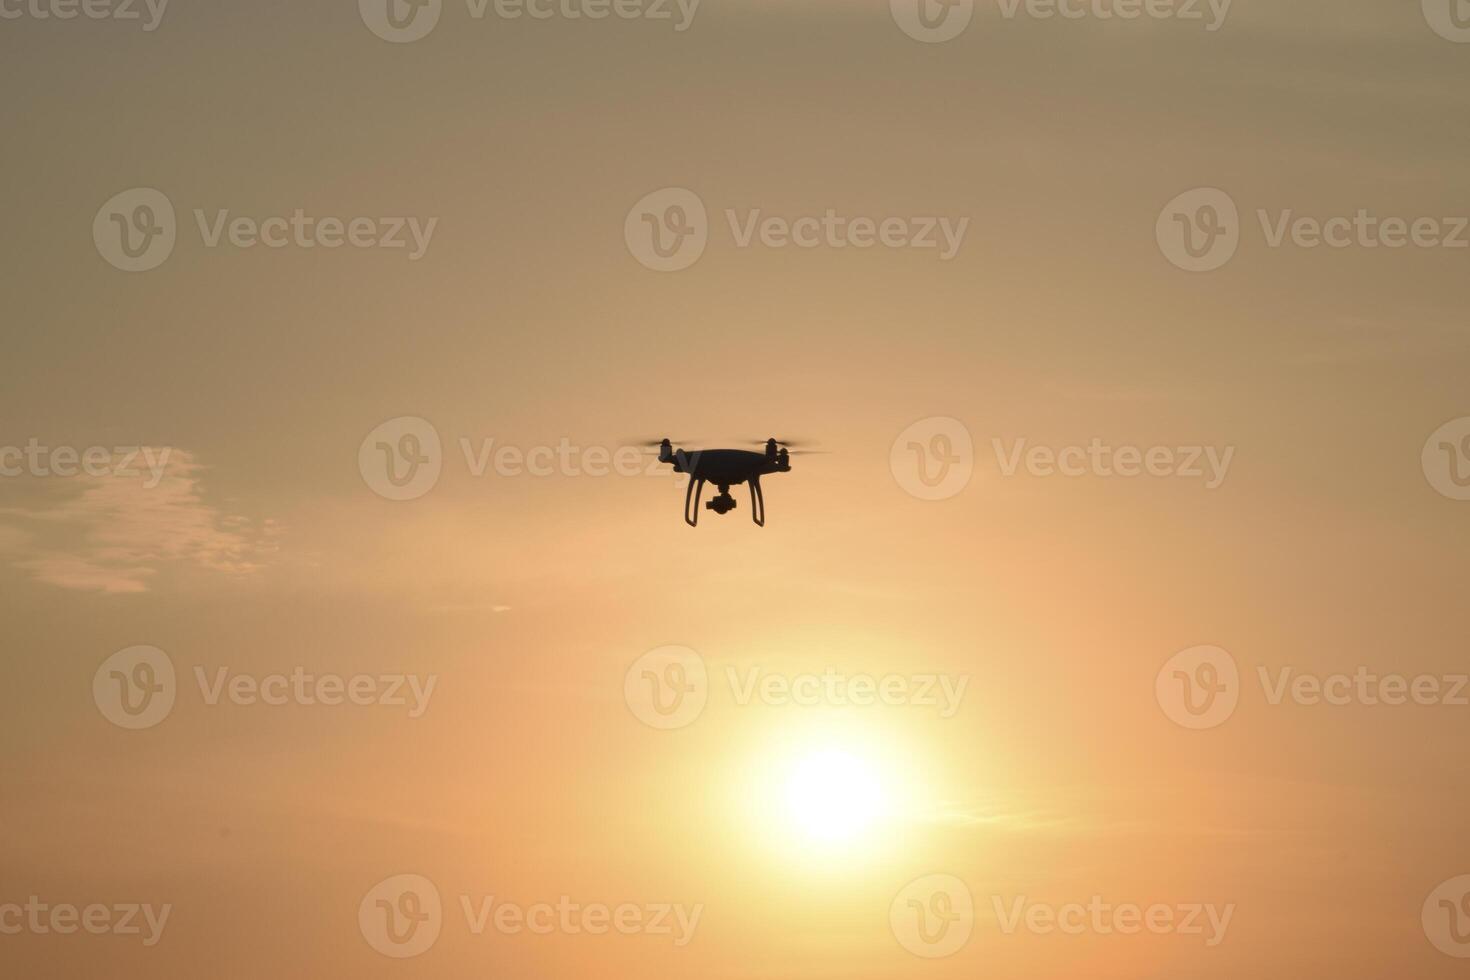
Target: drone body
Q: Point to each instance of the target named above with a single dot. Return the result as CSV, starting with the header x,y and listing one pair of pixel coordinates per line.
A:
x,y
725,468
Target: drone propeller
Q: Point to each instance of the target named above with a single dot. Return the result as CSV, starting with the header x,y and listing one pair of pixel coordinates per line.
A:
x,y
652,443
794,447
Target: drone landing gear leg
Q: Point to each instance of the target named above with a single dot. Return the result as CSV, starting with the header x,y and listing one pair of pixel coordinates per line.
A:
x,y
691,514
757,502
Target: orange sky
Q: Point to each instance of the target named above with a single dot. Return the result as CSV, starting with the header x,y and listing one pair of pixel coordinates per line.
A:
x,y
1029,748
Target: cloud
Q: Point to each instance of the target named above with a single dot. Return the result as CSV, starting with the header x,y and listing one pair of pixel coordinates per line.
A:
x,y
973,814
468,607
115,533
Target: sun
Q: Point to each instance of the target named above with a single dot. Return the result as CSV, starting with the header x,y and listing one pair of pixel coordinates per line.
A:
x,y
833,797
828,795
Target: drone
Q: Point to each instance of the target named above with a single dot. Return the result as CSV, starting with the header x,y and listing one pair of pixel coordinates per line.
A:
x,y
726,468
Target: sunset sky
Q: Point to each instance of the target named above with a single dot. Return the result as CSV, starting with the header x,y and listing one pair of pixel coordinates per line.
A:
x,y
1024,623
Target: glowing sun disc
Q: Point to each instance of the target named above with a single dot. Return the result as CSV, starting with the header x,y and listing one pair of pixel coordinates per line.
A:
x,y
833,796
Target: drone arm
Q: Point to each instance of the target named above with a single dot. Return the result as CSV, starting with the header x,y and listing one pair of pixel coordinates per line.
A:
x,y
757,502
691,513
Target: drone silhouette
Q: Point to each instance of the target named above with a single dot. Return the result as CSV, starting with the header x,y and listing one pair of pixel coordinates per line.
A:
x,y
726,468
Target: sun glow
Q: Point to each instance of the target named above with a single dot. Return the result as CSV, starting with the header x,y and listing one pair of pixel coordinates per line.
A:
x,y
833,797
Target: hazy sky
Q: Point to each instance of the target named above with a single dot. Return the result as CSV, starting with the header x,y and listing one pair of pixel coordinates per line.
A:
x,y
497,174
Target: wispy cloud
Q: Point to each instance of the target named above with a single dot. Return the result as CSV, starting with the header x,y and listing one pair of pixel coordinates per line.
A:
x,y
974,814
116,533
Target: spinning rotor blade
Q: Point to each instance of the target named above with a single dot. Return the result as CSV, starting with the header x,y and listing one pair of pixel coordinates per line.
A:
x,y
652,443
796,447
